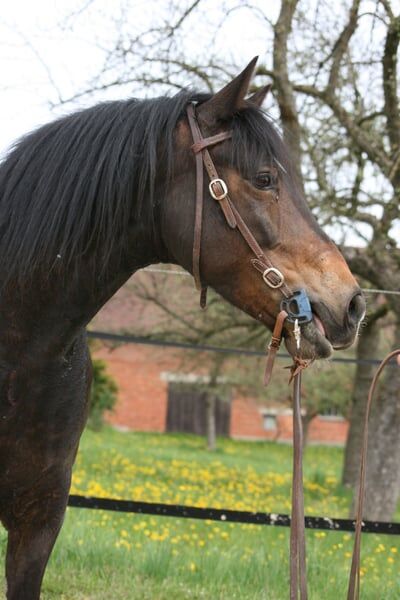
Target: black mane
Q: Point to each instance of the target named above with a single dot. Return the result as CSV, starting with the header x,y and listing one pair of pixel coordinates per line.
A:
x,y
74,185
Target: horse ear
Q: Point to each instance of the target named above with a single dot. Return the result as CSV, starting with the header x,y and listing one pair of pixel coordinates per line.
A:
x,y
259,96
230,99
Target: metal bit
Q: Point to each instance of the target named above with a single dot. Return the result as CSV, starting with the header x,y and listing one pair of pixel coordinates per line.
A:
x,y
297,333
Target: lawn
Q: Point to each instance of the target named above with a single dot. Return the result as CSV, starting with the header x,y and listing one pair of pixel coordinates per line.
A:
x,y
103,555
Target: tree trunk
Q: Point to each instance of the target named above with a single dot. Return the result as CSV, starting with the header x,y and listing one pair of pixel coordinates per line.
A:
x,y
383,464
211,401
285,95
366,349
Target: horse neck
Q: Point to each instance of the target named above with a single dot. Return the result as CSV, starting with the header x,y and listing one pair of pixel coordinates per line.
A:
x,y
45,318
92,287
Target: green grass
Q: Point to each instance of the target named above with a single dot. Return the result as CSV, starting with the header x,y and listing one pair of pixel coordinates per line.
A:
x,y
103,555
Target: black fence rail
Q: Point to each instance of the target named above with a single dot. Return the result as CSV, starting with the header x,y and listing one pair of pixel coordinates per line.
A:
x,y
227,516
216,514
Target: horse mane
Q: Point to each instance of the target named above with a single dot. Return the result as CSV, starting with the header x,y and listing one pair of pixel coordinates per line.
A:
x,y
74,185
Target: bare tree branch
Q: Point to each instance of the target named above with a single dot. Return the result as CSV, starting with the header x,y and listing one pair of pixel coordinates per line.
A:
x,y
286,99
365,142
341,45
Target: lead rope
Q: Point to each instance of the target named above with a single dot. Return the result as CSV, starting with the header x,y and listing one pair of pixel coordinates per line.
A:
x,y
353,592
298,567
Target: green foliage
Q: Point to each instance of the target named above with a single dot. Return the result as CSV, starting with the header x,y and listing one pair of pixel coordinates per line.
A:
x,y
103,395
328,388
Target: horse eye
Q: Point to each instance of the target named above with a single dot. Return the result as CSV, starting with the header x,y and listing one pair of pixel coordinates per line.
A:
x,y
264,181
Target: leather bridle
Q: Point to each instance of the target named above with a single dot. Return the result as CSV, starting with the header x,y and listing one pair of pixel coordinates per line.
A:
x,y
219,191
296,309
295,306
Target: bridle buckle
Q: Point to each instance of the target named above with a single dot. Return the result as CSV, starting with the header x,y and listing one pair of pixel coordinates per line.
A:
x,y
223,185
270,282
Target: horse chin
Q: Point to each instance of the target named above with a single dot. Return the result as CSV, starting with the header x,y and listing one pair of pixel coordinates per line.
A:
x,y
314,345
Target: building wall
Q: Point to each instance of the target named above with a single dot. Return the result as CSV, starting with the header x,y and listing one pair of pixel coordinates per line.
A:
x,y
332,430
142,395
139,372
247,420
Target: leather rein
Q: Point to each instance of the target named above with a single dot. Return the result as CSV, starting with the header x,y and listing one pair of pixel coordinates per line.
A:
x,y
295,308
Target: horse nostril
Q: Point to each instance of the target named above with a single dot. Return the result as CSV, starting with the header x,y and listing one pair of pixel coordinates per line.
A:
x,y
356,309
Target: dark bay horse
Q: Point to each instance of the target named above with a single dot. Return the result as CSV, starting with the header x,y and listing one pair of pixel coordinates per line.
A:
x,y
86,201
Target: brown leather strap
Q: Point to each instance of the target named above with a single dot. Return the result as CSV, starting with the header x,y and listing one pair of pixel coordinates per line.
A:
x,y
298,568
353,592
200,149
224,201
199,202
210,141
262,262
274,345
203,297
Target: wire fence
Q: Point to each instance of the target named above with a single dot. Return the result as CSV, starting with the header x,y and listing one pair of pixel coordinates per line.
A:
x,y
134,339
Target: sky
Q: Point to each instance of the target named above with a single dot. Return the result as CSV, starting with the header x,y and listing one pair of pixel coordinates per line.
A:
x,y
36,58
52,48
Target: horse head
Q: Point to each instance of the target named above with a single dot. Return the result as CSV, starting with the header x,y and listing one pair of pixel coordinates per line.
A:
x,y
260,180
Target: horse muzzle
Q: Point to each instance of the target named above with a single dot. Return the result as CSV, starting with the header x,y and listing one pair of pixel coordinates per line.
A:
x,y
328,330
